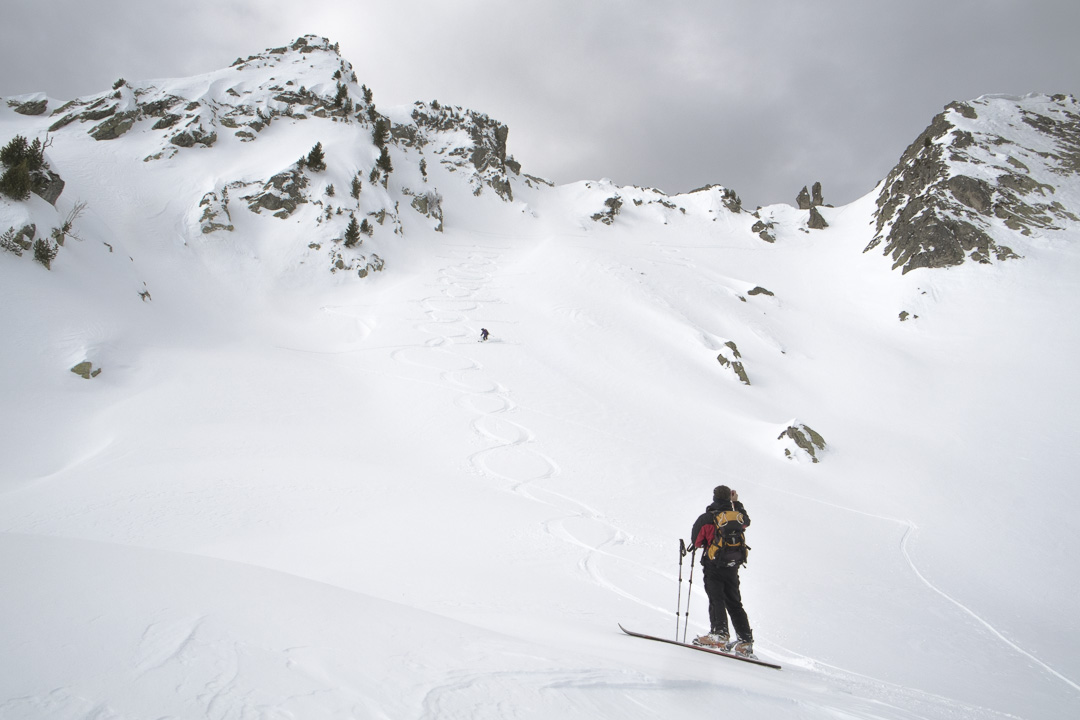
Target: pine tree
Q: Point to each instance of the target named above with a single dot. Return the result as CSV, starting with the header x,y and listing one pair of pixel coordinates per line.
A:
x,y
383,163
316,159
357,186
342,95
16,182
45,252
352,233
20,151
381,133
365,227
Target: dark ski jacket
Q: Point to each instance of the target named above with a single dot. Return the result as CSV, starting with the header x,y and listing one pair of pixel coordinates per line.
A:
x,y
701,536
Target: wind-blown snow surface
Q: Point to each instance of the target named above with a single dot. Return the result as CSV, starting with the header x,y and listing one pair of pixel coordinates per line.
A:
x,y
290,494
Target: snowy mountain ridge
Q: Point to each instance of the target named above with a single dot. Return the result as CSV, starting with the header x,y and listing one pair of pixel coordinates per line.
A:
x,y
953,195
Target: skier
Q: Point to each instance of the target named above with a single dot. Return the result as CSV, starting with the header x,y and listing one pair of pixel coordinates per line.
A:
x,y
483,334
719,531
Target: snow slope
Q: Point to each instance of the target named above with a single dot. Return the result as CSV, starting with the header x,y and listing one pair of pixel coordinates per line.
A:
x,y
292,493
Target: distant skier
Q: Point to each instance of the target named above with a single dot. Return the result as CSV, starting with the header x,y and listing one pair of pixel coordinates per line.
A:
x,y
719,531
484,334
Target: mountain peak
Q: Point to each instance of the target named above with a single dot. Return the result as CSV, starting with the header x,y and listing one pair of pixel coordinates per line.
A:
x,y
994,167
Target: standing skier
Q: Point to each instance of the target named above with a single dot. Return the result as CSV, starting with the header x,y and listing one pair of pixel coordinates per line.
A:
x,y
484,334
719,531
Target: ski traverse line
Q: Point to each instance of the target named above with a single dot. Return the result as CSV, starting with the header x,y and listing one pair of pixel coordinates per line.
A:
x,y
909,529
903,549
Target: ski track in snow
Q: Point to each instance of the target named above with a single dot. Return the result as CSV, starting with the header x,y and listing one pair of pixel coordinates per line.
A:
x,y
910,529
513,457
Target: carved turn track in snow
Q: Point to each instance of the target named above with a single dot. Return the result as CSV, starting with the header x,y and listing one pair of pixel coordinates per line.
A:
x,y
512,456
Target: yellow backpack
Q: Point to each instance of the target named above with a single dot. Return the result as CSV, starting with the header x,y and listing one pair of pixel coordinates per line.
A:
x,y
728,544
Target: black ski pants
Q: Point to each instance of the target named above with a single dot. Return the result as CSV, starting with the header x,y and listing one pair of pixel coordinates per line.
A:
x,y
725,598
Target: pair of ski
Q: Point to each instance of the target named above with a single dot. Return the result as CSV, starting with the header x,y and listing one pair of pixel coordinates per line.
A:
x,y
702,648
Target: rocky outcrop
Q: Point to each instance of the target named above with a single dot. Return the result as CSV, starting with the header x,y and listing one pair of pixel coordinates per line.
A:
x,y
765,228
815,197
733,363
370,265
816,221
728,197
18,241
215,212
281,194
194,136
439,128
803,199
611,209
114,127
31,107
801,441
86,370
428,204
980,165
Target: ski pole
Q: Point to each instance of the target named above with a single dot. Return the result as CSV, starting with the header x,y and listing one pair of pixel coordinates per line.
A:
x,y
678,608
689,594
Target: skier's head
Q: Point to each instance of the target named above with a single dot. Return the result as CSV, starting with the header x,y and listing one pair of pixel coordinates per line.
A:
x,y
721,494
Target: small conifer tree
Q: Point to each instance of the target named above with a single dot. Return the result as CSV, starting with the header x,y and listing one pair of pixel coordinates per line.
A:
x,y
45,252
365,227
316,159
16,182
20,151
352,233
383,163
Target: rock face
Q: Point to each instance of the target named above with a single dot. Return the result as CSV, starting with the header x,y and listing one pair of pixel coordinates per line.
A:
x,y
438,129
996,161
50,188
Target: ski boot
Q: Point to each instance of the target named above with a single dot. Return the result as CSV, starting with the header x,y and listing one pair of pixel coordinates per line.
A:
x,y
712,640
742,648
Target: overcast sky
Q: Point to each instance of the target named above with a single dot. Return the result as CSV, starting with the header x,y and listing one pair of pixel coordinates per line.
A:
x,y
761,96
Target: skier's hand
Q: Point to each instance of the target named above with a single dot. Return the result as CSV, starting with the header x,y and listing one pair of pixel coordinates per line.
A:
x,y
734,496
